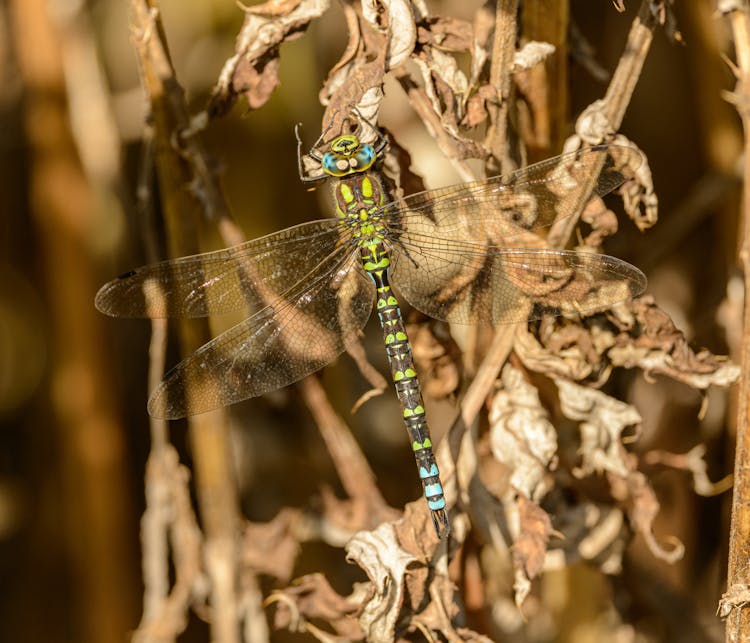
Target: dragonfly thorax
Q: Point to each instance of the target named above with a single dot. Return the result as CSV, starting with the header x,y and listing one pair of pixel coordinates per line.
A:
x,y
358,199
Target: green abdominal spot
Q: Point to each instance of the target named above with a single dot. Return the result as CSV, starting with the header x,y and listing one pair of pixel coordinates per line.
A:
x,y
417,410
418,446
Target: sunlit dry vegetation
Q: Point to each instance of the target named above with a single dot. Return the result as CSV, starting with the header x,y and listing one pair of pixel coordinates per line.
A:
x,y
587,459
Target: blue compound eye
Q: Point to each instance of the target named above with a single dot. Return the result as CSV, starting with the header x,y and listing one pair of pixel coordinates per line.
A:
x,y
348,156
329,163
365,157
335,165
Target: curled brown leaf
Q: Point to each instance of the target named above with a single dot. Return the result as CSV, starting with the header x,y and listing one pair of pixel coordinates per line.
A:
x,y
521,435
253,70
312,597
530,546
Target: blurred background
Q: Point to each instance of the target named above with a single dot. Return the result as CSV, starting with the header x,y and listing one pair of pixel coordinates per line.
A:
x,y
73,422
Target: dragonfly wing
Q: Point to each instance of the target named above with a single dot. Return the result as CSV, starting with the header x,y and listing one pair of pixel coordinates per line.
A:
x,y
236,278
503,209
467,283
297,335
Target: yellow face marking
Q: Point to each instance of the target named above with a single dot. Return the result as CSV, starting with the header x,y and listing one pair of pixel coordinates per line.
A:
x,y
344,144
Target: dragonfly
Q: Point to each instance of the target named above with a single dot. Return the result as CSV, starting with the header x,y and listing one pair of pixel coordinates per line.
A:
x,y
472,253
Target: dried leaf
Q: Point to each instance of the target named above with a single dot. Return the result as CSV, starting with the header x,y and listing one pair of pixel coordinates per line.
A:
x,y
312,597
530,546
355,41
651,342
253,70
434,605
593,125
401,32
602,220
361,90
602,420
737,596
344,517
445,85
565,350
592,531
476,106
638,196
445,32
384,561
638,334
271,548
437,357
643,511
531,54
521,436
693,461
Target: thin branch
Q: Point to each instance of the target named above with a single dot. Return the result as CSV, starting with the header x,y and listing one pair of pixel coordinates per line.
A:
x,y
503,53
209,432
733,604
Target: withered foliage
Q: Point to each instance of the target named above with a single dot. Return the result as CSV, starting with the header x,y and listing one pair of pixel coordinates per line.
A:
x,y
541,464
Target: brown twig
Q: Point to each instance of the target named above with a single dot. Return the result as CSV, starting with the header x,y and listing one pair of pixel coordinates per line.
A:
x,y
734,604
90,510
208,432
545,86
603,117
503,52
354,472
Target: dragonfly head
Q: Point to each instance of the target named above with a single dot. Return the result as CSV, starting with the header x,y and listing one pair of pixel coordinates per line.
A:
x,y
347,155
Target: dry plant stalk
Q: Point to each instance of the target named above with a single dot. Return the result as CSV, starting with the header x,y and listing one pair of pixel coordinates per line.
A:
x,y
177,166
496,479
89,472
734,603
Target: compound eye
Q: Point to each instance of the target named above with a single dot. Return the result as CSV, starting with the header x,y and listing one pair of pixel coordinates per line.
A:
x,y
328,162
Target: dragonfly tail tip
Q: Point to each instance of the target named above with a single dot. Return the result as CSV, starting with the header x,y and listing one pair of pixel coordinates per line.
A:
x,y
441,523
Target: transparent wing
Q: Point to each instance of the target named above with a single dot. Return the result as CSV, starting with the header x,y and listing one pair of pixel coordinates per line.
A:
x,y
466,253
469,283
295,336
504,208
243,276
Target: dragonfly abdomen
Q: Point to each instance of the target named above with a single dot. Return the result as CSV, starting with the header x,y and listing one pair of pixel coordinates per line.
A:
x,y
376,262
